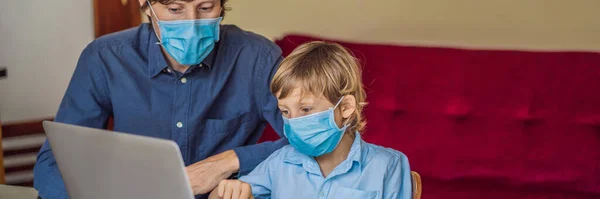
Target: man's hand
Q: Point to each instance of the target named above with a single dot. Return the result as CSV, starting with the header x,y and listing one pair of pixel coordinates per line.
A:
x,y
232,189
206,174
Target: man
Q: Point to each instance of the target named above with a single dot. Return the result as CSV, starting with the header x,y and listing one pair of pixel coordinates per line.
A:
x,y
183,77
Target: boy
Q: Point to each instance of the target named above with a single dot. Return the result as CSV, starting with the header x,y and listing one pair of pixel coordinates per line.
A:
x,y
321,98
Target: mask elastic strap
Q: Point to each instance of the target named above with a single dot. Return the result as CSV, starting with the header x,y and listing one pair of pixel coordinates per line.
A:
x,y
154,14
336,105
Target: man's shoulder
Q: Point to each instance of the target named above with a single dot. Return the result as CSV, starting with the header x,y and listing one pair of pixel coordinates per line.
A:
x,y
235,36
131,37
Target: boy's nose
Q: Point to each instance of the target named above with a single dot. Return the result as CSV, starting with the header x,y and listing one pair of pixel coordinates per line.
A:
x,y
294,115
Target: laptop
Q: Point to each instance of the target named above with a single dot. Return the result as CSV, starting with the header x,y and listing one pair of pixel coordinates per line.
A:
x,y
101,164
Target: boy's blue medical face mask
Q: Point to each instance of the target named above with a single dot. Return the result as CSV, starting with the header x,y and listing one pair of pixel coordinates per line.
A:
x,y
315,134
188,41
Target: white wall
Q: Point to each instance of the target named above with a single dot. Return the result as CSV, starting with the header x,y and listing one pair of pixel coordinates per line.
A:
x,y
40,42
529,24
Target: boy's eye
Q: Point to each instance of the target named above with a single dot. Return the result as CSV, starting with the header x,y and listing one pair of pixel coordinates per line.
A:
x,y
306,110
285,112
175,10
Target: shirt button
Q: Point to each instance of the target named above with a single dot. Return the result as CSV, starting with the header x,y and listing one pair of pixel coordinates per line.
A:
x,y
179,124
169,70
183,80
322,193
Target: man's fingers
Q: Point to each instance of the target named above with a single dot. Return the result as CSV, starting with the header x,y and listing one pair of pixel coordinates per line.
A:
x,y
221,188
206,174
246,191
236,190
228,190
214,194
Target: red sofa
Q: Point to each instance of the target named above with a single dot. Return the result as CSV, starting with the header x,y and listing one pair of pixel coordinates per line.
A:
x,y
484,123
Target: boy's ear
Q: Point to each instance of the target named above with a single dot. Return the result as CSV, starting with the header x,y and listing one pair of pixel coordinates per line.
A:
x,y
348,106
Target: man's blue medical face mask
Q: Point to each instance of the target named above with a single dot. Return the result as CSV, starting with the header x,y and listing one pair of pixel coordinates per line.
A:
x,y
315,134
188,41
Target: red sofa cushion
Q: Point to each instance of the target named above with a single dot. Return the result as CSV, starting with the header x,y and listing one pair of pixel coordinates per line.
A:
x,y
484,123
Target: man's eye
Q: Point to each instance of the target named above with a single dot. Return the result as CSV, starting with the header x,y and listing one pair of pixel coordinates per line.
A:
x,y
285,112
205,9
306,110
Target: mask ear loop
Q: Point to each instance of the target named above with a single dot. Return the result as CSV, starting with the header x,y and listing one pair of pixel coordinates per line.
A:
x,y
339,102
336,105
154,14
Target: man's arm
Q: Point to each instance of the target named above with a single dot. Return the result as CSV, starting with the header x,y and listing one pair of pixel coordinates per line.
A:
x,y
85,103
206,174
250,156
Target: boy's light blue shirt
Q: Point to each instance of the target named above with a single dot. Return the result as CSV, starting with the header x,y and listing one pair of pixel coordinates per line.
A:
x,y
370,171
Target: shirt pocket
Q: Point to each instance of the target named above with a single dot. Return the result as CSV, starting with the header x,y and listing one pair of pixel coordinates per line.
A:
x,y
348,193
219,127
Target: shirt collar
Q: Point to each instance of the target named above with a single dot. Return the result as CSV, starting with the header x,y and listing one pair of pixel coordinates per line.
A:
x,y
158,63
357,149
156,60
310,165
355,155
210,59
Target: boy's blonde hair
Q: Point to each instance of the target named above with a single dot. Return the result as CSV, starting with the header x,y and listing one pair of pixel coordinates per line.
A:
x,y
327,69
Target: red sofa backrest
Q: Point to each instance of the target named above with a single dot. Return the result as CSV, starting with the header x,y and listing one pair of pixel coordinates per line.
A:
x,y
522,118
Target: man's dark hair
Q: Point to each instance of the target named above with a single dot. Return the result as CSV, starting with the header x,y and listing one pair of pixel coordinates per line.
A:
x,y
166,2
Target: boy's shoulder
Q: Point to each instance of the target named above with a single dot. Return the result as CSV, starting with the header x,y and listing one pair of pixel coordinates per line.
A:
x,y
283,152
286,155
376,154
371,152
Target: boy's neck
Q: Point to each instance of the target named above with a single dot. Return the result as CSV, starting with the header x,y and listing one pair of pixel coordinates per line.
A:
x,y
329,161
